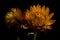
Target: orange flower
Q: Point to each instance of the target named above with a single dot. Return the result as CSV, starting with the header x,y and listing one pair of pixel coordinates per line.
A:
x,y
14,13
12,17
15,18
39,17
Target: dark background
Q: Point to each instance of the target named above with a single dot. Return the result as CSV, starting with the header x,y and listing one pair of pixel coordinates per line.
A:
x,y
11,34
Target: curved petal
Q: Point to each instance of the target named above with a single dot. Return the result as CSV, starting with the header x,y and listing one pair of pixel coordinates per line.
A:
x,y
50,22
39,8
50,16
47,27
43,10
47,11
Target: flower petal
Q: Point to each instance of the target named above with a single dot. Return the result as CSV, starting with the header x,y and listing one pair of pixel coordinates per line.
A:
x,y
43,10
47,27
50,22
47,11
33,9
50,16
38,8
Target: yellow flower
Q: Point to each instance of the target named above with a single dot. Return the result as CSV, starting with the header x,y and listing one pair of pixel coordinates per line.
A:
x,y
9,17
14,13
12,16
39,16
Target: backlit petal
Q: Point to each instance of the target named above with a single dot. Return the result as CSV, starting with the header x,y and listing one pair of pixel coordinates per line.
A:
x,y
50,22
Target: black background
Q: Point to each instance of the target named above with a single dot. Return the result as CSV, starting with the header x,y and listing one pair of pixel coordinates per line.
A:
x,y
11,34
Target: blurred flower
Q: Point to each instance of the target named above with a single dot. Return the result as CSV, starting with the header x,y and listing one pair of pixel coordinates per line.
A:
x,y
12,16
15,13
15,18
36,19
9,17
39,17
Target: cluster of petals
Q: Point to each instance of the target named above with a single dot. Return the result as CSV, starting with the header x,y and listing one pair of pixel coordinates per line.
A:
x,y
37,17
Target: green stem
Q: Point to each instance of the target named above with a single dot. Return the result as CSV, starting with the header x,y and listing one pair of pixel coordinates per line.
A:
x,y
35,35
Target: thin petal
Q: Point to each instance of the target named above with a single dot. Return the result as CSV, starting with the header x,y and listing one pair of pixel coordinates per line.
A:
x,y
30,7
34,6
33,9
47,11
47,27
39,8
50,22
14,9
43,10
50,16
24,27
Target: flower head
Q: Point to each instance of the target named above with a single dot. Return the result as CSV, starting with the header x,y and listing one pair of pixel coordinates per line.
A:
x,y
12,16
39,17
